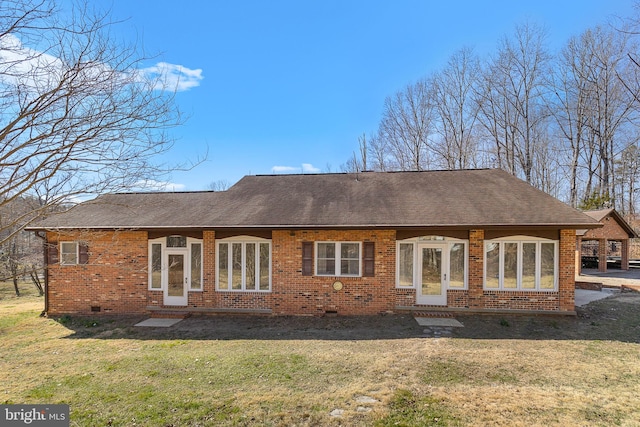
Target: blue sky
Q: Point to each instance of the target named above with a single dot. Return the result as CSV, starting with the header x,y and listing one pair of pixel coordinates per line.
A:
x,y
290,85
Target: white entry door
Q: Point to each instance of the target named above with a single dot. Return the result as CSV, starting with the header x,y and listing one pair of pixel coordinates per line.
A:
x,y
432,277
177,278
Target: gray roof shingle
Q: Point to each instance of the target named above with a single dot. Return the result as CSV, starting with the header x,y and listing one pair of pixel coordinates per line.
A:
x,y
462,198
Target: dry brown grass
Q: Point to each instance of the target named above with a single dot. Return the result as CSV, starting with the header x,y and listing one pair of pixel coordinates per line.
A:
x,y
266,371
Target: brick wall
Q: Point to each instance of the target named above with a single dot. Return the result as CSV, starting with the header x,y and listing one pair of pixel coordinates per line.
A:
x,y
567,270
114,280
476,269
293,293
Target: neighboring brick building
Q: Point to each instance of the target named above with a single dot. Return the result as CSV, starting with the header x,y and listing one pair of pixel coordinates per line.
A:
x,y
614,229
347,244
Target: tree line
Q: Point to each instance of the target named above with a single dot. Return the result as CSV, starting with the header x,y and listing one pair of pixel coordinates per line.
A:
x,y
565,122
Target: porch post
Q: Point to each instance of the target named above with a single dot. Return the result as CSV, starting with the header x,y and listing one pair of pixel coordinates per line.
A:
x,y
578,255
476,268
567,272
602,255
625,254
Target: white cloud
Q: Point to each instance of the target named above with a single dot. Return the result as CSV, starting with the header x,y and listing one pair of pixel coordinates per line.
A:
x,y
152,185
284,169
21,65
172,77
304,168
309,168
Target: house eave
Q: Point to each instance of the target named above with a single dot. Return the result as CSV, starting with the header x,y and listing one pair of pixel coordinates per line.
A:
x,y
321,226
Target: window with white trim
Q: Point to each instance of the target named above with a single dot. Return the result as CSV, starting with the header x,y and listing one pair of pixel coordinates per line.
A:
x,y
155,265
525,264
338,259
69,253
243,265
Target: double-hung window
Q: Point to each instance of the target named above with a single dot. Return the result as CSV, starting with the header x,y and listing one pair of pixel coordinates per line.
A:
x,y
338,259
243,265
68,253
525,264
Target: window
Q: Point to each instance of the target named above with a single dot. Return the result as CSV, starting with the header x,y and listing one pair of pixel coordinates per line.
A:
x,y
454,260
156,266
516,264
338,259
196,267
243,265
68,253
176,241
71,253
405,265
457,266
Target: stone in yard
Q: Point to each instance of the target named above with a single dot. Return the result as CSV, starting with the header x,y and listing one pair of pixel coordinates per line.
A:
x,y
366,399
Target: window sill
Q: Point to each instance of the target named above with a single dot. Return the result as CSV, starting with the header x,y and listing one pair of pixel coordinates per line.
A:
x,y
520,290
242,291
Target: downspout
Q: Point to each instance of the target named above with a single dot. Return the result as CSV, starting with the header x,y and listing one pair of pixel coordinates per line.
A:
x,y
45,256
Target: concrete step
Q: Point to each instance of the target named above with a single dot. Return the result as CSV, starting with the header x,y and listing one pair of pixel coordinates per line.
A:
x,y
169,314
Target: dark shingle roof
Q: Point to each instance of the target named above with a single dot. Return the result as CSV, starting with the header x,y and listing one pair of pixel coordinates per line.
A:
x,y
600,214
463,198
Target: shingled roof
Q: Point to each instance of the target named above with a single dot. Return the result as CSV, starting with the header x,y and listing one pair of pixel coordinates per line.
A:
x,y
462,198
600,214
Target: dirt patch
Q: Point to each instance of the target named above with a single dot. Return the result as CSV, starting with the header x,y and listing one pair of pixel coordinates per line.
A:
x,y
635,299
613,318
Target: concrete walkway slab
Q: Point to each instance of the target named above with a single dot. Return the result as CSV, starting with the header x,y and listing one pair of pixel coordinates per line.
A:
x,y
158,323
584,296
438,321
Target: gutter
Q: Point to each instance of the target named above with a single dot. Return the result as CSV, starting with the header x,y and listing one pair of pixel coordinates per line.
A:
x,y
46,272
576,226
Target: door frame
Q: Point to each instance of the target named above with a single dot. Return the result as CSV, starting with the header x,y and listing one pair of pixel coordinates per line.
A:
x,y
176,300
440,299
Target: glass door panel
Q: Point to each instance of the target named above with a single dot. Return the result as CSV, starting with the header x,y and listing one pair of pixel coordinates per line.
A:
x,y
431,271
432,290
176,292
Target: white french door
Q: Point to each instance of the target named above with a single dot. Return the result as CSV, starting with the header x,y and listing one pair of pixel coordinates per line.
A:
x,y
433,261
175,293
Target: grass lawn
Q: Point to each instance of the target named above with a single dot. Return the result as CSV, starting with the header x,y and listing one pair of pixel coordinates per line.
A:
x,y
511,371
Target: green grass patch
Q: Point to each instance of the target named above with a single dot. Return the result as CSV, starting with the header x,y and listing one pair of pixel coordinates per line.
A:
x,y
453,372
408,410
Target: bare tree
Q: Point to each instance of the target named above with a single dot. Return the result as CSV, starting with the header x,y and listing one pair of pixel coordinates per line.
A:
x,y
77,115
513,100
611,104
219,185
20,251
454,88
406,125
569,107
594,111
378,153
627,175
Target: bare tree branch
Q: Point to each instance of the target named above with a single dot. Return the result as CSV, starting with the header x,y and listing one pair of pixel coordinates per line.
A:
x,y
77,115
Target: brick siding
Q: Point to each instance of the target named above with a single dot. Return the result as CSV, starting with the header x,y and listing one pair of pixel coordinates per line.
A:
x,y
113,281
115,278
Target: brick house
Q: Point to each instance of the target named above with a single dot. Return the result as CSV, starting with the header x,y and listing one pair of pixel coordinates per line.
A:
x,y
351,244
